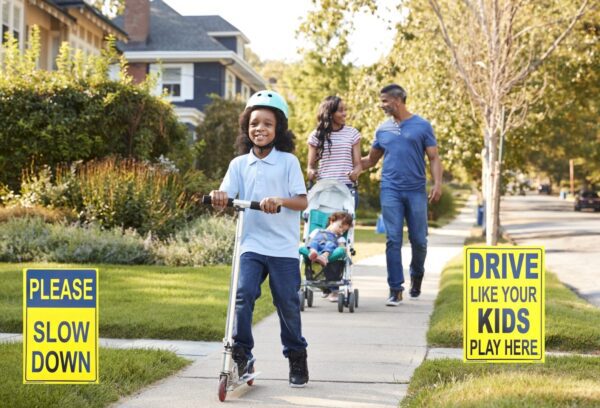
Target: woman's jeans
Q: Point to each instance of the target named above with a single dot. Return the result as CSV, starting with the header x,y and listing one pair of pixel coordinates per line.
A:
x,y
284,280
395,207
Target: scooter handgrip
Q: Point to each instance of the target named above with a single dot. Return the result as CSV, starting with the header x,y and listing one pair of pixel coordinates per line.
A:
x,y
255,205
206,199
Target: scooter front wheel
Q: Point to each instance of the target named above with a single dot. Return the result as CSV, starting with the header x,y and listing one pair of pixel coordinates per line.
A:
x,y
222,388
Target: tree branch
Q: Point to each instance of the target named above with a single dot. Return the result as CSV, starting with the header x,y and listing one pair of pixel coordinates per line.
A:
x,y
529,68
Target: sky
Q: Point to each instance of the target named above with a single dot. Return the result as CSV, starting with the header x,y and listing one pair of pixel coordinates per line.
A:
x,y
270,25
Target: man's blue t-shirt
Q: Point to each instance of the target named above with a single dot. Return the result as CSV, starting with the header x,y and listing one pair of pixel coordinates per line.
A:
x,y
404,146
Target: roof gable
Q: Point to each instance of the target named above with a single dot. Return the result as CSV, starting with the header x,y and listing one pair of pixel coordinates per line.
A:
x,y
212,23
170,31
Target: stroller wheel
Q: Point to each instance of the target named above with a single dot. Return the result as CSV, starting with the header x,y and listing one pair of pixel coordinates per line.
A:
x,y
355,297
341,302
351,301
309,297
302,298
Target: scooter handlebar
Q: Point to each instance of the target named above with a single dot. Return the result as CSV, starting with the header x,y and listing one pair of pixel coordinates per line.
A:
x,y
253,205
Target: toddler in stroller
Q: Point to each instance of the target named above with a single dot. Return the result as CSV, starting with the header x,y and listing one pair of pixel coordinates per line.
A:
x,y
325,242
329,216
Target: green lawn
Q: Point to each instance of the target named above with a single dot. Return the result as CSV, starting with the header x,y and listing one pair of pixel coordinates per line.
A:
x,y
144,301
572,324
560,382
122,372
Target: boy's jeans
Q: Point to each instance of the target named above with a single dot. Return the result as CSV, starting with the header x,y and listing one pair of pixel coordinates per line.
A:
x,y
284,280
395,206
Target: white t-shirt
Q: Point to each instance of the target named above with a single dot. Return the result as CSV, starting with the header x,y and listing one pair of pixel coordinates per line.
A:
x,y
337,163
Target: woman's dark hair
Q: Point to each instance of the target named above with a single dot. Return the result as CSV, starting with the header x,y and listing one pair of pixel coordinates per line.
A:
x,y
284,138
327,108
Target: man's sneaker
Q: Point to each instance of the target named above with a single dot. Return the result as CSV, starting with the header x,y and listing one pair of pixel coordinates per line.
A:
x,y
395,298
241,359
415,286
298,368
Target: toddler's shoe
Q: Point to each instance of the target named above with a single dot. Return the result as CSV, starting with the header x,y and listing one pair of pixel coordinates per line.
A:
x,y
312,255
333,297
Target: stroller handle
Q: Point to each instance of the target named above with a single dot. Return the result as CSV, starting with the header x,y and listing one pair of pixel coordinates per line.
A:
x,y
253,205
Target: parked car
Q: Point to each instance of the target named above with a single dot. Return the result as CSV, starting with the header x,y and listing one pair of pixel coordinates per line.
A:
x,y
544,189
587,199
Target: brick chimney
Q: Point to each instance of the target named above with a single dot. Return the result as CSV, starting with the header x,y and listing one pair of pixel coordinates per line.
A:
x,y
137,27
137,20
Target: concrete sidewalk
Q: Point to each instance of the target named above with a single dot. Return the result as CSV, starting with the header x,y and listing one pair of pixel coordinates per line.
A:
x,y
363,359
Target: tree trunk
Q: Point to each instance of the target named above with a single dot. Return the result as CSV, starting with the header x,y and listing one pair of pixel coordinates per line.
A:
x,y
496,204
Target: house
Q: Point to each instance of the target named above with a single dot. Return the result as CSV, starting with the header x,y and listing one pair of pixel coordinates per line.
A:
x,y
194,56
72,21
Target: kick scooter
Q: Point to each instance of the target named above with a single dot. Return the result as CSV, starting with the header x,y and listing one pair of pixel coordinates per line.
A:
x,y
229,379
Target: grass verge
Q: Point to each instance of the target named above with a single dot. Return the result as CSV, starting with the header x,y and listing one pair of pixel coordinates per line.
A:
x,y
560,382
122,372
572,324
159,302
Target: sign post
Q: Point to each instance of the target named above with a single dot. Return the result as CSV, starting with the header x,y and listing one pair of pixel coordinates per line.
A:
x,y
60,326
504,305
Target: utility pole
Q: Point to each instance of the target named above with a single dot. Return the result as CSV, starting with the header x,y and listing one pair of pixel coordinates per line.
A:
x,y
571,175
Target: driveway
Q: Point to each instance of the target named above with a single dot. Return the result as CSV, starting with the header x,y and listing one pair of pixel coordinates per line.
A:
x,y
571,239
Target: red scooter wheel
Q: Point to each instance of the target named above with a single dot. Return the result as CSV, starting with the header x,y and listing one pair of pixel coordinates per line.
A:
x,y
222,388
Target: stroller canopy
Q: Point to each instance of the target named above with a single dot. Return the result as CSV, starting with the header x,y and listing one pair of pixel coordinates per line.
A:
x,y
329,196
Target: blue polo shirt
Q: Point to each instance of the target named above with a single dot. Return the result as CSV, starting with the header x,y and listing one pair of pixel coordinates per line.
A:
x,y
277,175
403,146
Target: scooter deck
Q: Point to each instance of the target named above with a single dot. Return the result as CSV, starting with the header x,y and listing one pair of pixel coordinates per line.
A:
x,y
242,380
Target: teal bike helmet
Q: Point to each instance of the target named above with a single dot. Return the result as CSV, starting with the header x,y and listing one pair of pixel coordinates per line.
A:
x,y
269,99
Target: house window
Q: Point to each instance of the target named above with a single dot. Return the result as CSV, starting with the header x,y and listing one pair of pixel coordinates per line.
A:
x,y
245,92
229,85
171,81
11,15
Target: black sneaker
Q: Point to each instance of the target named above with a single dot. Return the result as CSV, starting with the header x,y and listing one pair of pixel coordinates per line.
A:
x,y
415,286
298,369
395,298
241,359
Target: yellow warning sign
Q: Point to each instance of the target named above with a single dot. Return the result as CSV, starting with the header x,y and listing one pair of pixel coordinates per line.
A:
x,y
504,312
60,326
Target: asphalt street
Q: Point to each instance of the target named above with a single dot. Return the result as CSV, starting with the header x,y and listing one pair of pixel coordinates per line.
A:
x,y
571,239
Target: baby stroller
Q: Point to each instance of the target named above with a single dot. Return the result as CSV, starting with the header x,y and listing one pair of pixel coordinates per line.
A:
x,y
324,198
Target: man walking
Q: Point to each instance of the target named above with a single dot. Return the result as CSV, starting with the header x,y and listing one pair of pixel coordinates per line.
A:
x,y
403,140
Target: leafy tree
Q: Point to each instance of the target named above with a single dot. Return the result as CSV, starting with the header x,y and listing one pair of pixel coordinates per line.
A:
x,y
110,7
76,113
217,135
563,124
323,69
496,46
